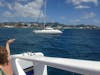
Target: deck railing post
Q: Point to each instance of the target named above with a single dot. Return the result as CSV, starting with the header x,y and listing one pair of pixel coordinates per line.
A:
x,y
17,69
40,69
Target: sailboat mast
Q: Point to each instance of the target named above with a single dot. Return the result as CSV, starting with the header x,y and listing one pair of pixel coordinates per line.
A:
x,y
44,13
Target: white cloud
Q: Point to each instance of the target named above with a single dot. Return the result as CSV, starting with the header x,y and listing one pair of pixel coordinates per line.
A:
x,y
21,0
8,14
9,6
77,2
75,21
31,9
81,7
1,4
89,15
97,21
5,4
62,17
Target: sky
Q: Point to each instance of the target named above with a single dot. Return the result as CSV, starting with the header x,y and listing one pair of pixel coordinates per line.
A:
x,y
70,12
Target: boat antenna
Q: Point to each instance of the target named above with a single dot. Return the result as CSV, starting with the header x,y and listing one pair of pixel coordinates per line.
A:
x,y
45,3
39,16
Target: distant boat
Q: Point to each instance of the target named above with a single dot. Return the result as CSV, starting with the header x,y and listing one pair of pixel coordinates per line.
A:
x,y
47,30
9,26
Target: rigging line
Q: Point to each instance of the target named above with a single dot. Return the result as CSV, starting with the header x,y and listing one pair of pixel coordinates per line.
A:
x,y
38,18
44,11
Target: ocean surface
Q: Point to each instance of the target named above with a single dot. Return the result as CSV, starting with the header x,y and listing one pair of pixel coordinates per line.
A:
x,y
73,43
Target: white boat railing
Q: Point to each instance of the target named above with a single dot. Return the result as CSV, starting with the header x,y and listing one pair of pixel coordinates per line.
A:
x,y
41,62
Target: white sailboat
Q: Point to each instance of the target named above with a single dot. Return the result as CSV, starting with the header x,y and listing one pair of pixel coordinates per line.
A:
x,y
47,30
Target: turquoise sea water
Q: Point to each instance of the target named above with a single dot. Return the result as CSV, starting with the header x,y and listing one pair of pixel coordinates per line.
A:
x,y
77,44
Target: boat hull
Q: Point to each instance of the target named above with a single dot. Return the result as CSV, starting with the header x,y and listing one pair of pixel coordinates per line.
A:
x,y
47,31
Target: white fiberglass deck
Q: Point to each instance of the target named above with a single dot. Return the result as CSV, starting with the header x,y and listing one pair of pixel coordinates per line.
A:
x,y
78,66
